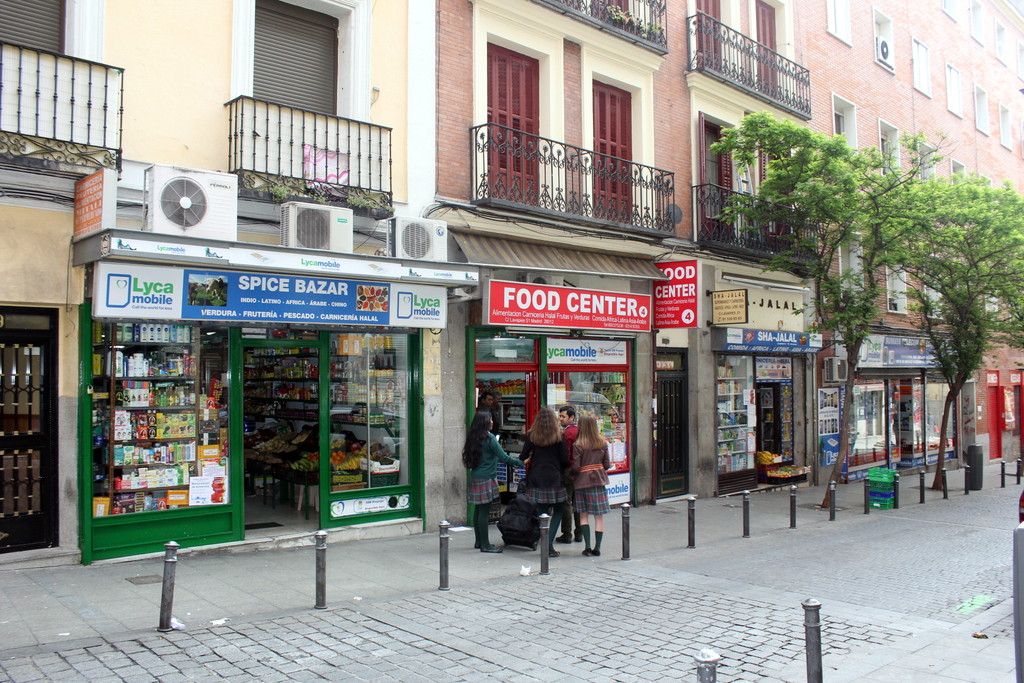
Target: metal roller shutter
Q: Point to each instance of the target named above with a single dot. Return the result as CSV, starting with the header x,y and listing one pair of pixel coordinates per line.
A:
x,y
38,24
296,55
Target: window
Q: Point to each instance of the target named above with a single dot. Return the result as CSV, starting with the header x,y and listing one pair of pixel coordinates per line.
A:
x,y
1020,60
1005,133
933,301
977,21
926,159
839,19
922,68
957,168
35,25
883,40
954,98
844,115
889,146
949,6
981,110
896,291
851,259
1001,43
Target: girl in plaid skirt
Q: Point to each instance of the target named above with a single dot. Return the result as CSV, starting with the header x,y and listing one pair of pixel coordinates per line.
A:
x,y
481,455
590,477
545,474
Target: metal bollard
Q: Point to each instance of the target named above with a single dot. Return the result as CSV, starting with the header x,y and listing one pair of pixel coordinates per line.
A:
x,y
545,525
1018,471
625,531
1002,474
167,596
691,522
746,514
812,638
831,501
896,491
867,496
967,480
792,507
445,540
321,570
707,665
945,485
920,479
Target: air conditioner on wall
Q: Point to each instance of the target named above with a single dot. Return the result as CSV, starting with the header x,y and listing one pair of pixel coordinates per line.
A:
x,y
835,369
419,238
882,51
193,203
312,226
541,278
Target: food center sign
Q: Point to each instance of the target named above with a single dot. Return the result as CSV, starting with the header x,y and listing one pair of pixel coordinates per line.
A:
x,y
676,302
522,304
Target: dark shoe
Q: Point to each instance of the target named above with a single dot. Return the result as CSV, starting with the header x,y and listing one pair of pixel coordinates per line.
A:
x,y
491,549
475,546
588,552
553,553
578,538
564,538
595,552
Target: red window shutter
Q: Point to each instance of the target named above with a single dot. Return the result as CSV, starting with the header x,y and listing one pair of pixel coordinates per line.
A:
x,y
613,144
766,34
513,89
712,8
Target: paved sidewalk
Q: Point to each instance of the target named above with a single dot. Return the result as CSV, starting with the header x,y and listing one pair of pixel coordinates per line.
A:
x,y
903,593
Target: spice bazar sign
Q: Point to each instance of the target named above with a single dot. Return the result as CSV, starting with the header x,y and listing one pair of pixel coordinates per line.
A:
x,y
675,302
518,303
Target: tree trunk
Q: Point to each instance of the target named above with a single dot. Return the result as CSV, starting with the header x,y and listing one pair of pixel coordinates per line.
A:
x,y
846,419
947,406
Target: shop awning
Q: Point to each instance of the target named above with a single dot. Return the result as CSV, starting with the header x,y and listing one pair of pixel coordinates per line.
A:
x,y
488,250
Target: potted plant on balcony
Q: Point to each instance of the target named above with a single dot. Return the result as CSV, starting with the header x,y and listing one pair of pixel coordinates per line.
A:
x,y
621,18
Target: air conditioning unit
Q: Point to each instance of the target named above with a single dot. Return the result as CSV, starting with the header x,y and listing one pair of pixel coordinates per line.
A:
x,y
541,278
419,238
882,51
835,369
184,201
312,226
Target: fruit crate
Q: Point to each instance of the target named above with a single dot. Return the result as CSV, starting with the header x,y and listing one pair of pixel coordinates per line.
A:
x,y
881,474
881,503
388,479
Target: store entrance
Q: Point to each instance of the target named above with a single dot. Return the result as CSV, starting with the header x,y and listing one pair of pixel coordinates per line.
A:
x,y
767,429
515,404
280,413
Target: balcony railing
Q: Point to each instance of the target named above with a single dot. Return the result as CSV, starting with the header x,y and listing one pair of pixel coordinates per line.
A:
x,y
523,172
641,19
730,56
58,109
736,233
273,146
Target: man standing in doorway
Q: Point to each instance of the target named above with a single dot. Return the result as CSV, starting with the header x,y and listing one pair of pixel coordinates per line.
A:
x,y
567,416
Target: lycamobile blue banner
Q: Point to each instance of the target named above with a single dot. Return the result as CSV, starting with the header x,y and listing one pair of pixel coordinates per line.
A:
x,y
154,292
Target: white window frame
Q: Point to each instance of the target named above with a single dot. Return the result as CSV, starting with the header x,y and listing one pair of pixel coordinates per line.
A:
x,y
1005,127
981,117
1020,60
925,152
954,91
895,291
957,168
922,68
950,8
933,296
977,21
884,31
1000,43
839,23
851,259
846,111
889,136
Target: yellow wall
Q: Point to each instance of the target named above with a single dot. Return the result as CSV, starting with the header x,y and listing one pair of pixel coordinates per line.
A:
x,y
390,56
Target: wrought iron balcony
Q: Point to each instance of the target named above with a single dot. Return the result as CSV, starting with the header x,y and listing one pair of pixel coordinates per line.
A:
x,y
56,109
642,21
523,172
276,148
734,232
731,57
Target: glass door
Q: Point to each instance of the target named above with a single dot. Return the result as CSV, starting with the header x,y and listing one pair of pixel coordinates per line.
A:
x,y
515,404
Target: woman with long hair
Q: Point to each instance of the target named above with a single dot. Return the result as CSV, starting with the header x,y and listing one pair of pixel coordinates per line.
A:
x,y
481,455
545,476
590,477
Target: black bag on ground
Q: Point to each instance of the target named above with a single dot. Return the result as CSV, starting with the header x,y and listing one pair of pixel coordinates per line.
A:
x,y
518,524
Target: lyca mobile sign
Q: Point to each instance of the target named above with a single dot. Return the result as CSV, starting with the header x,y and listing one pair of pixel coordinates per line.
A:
x,y
148,292
517,303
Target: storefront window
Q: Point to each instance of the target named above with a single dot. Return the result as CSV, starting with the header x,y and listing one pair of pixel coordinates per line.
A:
x,y
505,350
735,418
869,419
935,400
603,395
369,410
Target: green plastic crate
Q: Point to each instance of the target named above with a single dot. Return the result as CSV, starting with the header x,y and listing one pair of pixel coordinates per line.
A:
x,y
878,485
881,503
881,474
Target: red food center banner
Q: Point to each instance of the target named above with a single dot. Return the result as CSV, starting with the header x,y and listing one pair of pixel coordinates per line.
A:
x,y
676,301
519,303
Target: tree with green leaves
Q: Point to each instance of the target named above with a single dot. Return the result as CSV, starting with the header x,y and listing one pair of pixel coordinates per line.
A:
x,y
832,197
967,254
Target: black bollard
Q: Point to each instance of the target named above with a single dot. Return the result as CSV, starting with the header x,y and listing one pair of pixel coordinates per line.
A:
x,y
691,522
707,665
792,507
445,539
545,524
1002,474
1018,471
920,478
746,514
967,480
625,531
812,639
896,491
945,485
167,595
867,496
831,501
321,570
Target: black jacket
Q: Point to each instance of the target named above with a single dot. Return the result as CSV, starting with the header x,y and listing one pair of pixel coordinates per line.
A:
x,y
547,464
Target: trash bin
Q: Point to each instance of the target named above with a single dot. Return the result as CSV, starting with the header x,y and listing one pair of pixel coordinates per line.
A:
x,y
976,459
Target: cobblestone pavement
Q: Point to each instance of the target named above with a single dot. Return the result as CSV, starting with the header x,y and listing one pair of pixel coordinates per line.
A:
x,y
902,594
